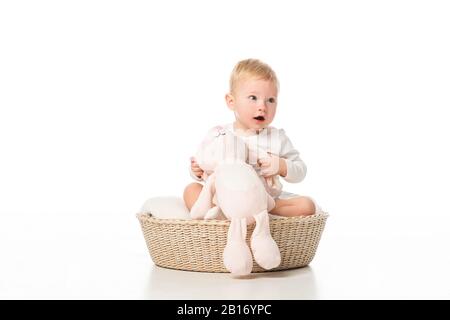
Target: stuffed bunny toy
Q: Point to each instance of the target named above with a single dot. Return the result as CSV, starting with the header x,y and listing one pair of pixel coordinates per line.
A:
x,y
237,190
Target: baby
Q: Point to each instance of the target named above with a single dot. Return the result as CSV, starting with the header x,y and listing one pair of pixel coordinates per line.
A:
x,y
253,99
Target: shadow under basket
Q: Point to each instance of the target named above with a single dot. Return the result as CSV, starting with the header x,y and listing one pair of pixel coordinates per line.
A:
x,y
197,245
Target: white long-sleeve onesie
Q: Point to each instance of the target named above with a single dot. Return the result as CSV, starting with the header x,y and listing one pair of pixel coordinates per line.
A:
x,y
275,141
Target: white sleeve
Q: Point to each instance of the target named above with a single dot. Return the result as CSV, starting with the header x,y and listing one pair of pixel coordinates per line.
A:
x,y
295,167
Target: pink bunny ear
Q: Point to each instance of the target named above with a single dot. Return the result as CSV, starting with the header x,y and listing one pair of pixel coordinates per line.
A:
x,y
252,156
255,153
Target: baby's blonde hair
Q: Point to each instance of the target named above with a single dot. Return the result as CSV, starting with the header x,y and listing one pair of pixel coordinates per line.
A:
x,y
252,68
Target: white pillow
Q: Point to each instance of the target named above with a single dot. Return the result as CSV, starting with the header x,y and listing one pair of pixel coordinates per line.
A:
x,y
166,208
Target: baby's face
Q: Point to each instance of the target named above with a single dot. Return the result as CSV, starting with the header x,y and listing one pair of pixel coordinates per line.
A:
x,y
254,103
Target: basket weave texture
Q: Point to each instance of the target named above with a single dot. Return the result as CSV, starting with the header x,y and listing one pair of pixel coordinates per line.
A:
x,y
197,245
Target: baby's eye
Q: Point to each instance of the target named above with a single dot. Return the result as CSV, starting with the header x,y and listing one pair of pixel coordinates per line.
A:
x,y
272,100
252,97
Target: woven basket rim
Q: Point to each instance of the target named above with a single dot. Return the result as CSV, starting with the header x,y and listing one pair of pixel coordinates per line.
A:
x,y
149,217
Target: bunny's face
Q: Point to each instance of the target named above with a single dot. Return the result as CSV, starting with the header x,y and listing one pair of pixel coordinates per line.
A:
x,y
220,145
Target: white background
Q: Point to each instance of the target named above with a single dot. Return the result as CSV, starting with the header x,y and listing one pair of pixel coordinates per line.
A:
x,y
103,102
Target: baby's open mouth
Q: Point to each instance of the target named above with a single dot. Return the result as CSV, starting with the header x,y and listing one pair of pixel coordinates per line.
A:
x,y
260,118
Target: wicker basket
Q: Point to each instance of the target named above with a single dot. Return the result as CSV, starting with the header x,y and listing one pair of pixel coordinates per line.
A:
x,y
197,245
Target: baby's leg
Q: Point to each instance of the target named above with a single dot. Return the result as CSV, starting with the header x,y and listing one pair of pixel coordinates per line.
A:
x,y
191,193
298,206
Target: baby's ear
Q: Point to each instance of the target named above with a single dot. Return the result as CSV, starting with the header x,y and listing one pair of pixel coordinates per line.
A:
x,y
229,99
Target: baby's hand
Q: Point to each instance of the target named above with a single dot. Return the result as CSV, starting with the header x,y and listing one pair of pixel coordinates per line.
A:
x,y
272,165
198,172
